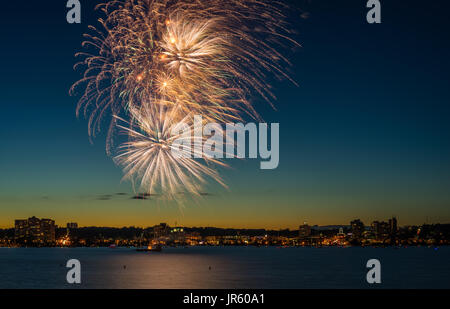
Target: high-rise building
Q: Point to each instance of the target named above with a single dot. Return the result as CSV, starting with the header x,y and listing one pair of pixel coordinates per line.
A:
x,y
393,226
34,231
72,225
380,229
304,231
357,228
20,229
161,230
34,228
48,230
393,229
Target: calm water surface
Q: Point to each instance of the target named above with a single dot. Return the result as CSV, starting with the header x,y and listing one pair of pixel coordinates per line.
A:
x,y
231,267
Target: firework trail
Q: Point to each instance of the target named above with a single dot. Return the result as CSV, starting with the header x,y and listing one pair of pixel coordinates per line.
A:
x,y
159,59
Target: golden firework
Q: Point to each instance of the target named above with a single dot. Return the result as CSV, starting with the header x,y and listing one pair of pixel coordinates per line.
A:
x,y
157,164
178,58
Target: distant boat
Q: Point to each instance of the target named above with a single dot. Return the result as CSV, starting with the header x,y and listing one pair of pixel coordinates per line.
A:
x,y
113,246
150,248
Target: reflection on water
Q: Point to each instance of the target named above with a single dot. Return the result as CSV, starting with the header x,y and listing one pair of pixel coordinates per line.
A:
x,y
225,267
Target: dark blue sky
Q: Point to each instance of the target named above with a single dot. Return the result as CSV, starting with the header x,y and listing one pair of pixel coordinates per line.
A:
x,y
366,133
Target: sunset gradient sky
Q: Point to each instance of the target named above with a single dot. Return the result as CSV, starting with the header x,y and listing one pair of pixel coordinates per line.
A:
x,y
365,135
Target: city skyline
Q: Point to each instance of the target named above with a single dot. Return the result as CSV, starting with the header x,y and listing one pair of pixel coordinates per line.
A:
x,y
42,232
382,220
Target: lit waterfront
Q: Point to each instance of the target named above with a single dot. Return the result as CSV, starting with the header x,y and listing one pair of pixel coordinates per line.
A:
x,y
35,232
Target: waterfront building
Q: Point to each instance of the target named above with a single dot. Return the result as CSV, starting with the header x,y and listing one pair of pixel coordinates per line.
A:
x,y
177,235
393,226
48,230
304,231
34,231
161,230
357,228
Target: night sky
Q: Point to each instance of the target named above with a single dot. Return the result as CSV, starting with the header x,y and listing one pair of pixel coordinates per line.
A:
x,y
366,134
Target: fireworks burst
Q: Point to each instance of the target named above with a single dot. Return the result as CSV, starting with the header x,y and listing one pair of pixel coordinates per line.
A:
x,y
152,159
177,58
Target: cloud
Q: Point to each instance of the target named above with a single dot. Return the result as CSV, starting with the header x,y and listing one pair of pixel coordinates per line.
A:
x,y
206,194
144,196
139,197
105,197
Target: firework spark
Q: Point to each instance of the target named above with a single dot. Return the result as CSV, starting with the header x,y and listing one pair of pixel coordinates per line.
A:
x,y
158,59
